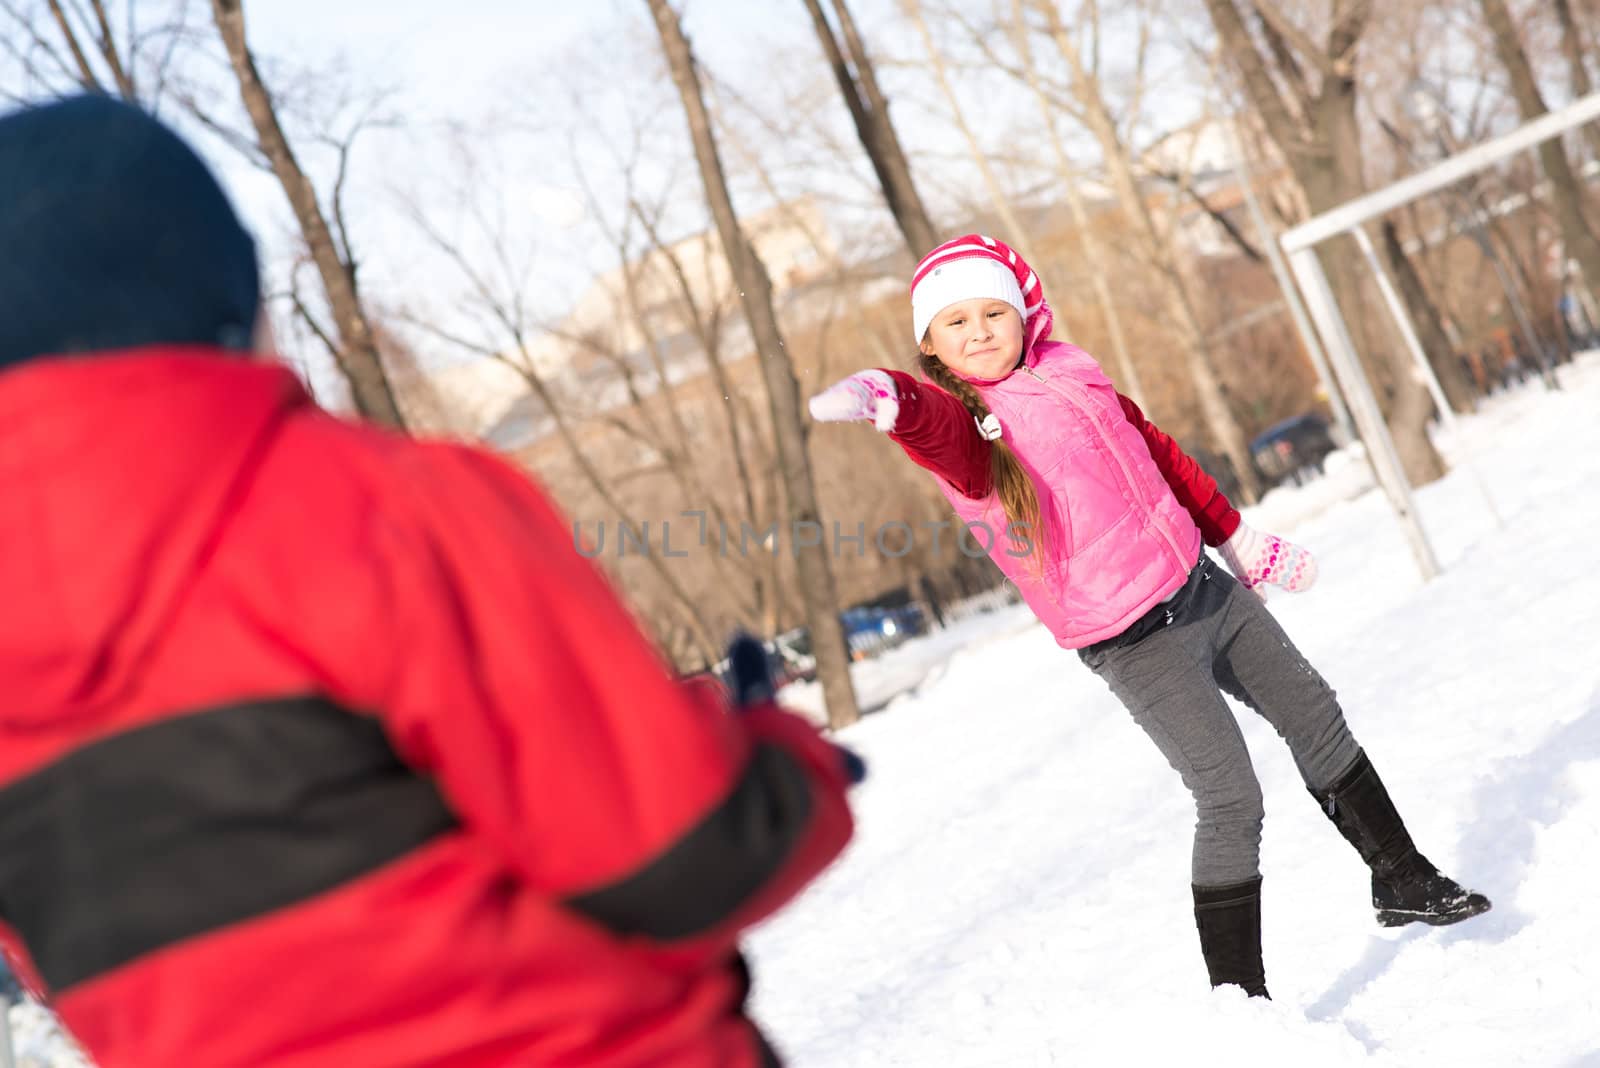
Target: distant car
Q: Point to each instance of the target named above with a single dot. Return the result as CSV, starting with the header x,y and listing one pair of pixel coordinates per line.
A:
x,y
871,629
1293,450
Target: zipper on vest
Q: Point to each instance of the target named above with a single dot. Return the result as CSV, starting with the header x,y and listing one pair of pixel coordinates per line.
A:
x,y
1041,583
1127,476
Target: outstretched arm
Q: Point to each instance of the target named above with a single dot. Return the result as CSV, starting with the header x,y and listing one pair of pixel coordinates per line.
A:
x,y
933,427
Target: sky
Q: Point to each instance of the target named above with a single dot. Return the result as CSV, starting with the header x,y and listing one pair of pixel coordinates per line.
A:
x,y
463,58
507,69
445,62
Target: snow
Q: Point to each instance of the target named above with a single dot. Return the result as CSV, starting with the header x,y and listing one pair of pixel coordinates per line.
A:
x,y
1018,890
37,1042
1017,894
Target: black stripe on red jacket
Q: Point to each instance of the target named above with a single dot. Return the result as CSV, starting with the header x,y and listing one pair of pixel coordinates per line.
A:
x,y
171,830
709,873
180,827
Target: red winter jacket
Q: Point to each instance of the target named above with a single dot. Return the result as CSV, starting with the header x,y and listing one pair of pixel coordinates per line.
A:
x,y
321,746
936,431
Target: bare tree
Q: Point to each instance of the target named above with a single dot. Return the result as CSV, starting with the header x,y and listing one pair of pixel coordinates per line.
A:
x,y
494,321
858,82
1315,130
518,335
783,393
1071,177
77,45
1572,46
706,324
357,351
146,56
1017,234
1566,192
1088,92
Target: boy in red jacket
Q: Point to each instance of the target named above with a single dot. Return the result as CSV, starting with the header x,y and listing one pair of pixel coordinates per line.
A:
x,y
321,746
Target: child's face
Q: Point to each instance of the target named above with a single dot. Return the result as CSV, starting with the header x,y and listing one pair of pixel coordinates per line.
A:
x,y
978,338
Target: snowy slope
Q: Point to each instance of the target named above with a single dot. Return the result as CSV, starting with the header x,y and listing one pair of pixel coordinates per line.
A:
x,y
1018,893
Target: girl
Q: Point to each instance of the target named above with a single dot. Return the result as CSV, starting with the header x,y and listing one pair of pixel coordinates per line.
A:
x,y
1104,517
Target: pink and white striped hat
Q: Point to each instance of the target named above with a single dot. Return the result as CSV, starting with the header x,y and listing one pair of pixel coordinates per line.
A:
x,y
971,267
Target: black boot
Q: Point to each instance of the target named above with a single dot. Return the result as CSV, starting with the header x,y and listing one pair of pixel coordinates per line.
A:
x,y
1229,920
1406,888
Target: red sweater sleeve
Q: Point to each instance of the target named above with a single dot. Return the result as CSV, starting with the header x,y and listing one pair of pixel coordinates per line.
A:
x,y
937,432
519,680
1195,490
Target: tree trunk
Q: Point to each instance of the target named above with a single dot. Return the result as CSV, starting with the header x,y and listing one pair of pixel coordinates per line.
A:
x,y
357,354
1214,409
1566,191
1318,136
783,391
1338,178
1425,317
870,113
1572,48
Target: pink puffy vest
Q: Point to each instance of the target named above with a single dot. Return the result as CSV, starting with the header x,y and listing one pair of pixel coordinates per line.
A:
x,y
1116,541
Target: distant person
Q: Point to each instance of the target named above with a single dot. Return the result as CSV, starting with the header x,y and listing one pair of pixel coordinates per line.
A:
x,y
1098,518
321,747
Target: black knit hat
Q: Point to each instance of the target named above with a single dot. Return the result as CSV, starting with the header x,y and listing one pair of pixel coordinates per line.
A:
x,y
113,234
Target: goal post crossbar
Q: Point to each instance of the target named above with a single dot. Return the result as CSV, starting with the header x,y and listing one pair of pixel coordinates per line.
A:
x,y
1444,173
1299,245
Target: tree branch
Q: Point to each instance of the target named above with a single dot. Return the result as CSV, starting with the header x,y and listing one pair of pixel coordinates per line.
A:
x,y
86,75
978,36
1349,23
110,53
245,145
1300,41
1185,184
1293,76
305,312
1283,126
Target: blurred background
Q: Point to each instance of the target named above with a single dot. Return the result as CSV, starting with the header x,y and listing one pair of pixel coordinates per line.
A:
x,y
490,217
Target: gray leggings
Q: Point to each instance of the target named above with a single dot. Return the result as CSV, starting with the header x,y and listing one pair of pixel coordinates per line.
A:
x,y
1167,673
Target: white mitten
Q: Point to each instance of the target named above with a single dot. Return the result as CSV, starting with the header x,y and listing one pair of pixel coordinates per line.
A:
x,y
1258,559
865,395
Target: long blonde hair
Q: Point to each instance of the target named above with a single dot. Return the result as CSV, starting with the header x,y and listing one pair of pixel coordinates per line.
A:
x,y
1018,495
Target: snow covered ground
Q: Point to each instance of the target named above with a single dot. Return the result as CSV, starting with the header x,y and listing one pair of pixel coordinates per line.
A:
x,y
1018,891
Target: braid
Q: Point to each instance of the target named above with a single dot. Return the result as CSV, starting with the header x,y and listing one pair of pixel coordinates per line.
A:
x,y
1016,490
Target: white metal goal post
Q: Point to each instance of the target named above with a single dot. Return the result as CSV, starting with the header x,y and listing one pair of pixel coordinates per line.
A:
x,y
1300,245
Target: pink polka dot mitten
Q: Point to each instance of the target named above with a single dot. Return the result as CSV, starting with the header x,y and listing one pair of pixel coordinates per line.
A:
x,y
1258,559
866,395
